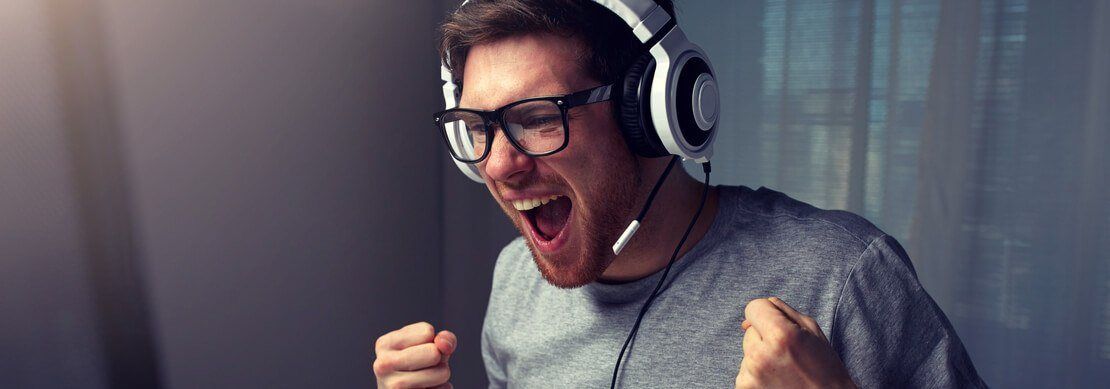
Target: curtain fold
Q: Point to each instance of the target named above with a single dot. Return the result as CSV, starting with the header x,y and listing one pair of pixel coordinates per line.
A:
x,y
1091,226
947,148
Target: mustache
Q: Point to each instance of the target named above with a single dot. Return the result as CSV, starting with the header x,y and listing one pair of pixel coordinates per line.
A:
x,y
550,181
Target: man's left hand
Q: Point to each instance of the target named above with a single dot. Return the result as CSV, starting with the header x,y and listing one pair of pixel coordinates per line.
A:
x,y
786,349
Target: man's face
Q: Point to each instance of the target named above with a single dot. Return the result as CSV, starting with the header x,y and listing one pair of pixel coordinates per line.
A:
x,y
595,180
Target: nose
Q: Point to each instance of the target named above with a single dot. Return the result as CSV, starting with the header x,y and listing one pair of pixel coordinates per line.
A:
x,y
506,163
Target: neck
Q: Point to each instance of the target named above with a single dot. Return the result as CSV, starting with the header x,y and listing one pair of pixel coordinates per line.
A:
x,y
651,248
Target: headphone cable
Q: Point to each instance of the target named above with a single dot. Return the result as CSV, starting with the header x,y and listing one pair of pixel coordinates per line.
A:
x,y
706,167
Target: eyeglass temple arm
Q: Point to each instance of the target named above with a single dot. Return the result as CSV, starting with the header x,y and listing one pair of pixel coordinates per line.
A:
x,y
590,96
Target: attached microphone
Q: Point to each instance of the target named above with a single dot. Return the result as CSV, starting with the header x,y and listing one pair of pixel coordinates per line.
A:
x,y
623,240
635,225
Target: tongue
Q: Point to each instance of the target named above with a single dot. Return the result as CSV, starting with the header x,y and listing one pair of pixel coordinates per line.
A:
x,y
552,217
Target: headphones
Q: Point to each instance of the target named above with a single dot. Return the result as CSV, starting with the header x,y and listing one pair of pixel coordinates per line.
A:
x,y
667,101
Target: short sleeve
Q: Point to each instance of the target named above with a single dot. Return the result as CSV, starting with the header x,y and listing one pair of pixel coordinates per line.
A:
x,y
890,333
494,370
502,277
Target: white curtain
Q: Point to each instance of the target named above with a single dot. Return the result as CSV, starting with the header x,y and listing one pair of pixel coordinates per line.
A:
x,y
973,131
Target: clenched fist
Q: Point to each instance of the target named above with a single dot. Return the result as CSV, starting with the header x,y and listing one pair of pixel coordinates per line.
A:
x,y
414,357
786,349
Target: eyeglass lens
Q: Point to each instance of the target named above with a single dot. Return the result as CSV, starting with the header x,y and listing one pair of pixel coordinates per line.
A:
x,y
535,126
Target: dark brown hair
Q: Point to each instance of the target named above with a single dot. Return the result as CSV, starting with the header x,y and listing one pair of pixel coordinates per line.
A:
x,y
610,46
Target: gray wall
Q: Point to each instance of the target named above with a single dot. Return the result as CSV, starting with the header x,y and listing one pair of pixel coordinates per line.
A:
x,y
257,182
48,336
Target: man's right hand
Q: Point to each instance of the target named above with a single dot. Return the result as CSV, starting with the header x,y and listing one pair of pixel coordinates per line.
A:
x,y
414,357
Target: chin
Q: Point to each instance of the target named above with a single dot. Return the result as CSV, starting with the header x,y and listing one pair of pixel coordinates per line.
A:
x,y
568,272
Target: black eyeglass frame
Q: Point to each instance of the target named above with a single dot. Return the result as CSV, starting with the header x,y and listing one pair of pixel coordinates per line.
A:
x,y
564,102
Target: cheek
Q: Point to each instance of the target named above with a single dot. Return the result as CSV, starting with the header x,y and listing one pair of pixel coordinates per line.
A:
x,y
596,159
596,137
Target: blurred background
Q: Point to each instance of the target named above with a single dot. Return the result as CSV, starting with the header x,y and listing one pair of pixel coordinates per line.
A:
x,y
214,194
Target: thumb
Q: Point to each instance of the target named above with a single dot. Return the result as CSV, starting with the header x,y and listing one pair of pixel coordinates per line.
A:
x,y
445,342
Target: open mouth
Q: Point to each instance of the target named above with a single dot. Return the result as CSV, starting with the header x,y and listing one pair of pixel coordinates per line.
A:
x,y
547,219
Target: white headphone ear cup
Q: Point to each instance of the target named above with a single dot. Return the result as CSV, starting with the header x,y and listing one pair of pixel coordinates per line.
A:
x,y
694,70
470,171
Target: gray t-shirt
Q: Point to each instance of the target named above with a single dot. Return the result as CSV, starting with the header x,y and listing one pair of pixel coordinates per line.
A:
x,y
834,266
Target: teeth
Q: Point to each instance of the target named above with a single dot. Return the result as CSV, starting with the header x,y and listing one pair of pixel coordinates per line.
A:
x,y
526,204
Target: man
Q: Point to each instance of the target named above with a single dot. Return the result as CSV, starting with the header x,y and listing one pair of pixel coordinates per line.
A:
x,y
767,291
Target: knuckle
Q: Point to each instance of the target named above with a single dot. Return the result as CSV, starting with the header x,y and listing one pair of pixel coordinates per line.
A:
x,y
790,335
745,383
443,374
751,305
777,343
760,303
751,381
382,367
425,329
742,381
376,367
379,344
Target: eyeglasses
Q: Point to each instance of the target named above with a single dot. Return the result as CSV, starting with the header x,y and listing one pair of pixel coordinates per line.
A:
x,y
536,126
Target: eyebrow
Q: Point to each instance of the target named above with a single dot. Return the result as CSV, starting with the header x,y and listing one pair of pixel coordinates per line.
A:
x,y
561,93
558,89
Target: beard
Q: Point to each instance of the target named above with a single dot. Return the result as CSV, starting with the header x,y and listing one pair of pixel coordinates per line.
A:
x,y
599,222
